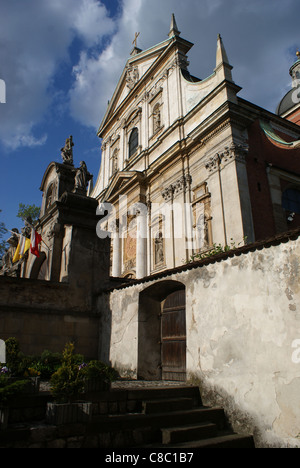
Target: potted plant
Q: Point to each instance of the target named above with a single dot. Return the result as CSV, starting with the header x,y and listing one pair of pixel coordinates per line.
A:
x,y
66,386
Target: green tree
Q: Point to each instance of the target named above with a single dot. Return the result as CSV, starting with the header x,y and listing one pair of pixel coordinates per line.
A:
x,y
28,211
3,243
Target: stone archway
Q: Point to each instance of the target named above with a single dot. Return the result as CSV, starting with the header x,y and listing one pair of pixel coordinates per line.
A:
x,y
158,347
39,267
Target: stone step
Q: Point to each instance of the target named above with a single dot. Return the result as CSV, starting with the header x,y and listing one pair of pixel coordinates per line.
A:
x,y
189,432
167,405
220,441
158,420
145,394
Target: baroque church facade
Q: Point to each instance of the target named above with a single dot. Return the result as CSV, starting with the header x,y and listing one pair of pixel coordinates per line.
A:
x,y
187,163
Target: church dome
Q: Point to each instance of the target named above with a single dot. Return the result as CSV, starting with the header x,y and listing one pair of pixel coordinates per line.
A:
x,y
290,100
286,103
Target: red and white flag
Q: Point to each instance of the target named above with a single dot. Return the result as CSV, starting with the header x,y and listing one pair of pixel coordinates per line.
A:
x,y
34,242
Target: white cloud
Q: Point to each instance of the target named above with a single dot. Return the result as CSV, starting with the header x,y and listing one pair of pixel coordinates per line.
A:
x,y
36,36
24,137
91,22
35,40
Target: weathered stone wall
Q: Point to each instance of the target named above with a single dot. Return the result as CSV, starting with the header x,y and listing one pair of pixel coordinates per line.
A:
x,y
243,317
45,315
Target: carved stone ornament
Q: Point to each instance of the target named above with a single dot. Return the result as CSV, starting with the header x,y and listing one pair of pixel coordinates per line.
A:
x,y
181,61
132,76
177,187
236,152
213,163
51,230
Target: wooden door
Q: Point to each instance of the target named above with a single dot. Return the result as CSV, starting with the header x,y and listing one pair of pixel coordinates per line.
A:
x,y
173,337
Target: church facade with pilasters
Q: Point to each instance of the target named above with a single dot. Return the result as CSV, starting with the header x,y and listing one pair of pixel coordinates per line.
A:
x,y
186,163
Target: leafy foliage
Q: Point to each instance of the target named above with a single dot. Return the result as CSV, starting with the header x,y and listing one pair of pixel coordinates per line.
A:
x,y
67,382
98,370
20,364
67,371
3,243
28,211
47,363
9,389
217,249
12,354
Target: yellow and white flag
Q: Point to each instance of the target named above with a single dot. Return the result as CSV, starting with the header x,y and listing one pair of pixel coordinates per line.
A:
x,y
25,246
22,247
17,252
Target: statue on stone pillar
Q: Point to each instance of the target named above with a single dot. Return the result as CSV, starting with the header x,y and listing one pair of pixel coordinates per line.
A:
x,y
82,177
67,151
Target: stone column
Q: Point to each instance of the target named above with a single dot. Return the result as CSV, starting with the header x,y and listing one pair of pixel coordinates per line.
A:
x,y
149,248
141,244
116,260
122,146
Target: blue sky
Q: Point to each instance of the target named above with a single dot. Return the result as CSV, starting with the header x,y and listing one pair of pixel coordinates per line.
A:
x,y
61,60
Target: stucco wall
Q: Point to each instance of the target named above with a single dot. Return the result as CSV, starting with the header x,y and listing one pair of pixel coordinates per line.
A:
x,y
243,317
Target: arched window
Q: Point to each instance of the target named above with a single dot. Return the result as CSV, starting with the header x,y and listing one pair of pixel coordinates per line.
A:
x,y
291,200
133,141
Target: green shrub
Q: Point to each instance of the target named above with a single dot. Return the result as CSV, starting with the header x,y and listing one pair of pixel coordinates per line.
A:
x,y
98,370
12,354
47,364
8,390
67,382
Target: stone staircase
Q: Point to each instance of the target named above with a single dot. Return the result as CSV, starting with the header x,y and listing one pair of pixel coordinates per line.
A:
x,y
172,418
133,418
183,422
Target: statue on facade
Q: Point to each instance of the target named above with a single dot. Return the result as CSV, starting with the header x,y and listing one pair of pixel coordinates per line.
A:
x,y
82,178
159,249
156,119
67,151
8,267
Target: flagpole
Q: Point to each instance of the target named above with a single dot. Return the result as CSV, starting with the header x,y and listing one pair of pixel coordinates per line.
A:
x,y
45,244
13,232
